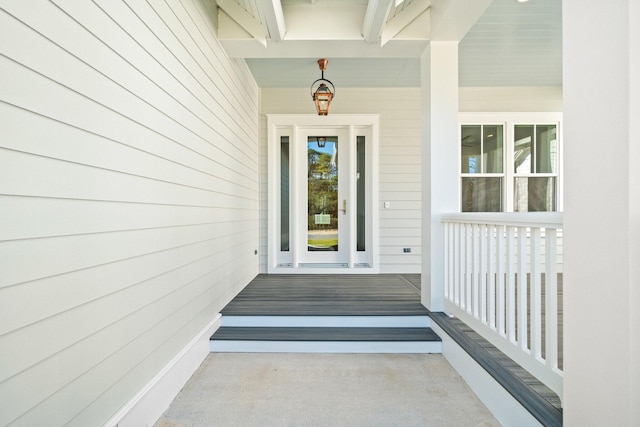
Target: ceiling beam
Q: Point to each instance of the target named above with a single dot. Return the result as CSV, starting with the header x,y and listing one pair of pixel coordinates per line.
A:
x,y
239,48
273,19
375,18
244,19
399,22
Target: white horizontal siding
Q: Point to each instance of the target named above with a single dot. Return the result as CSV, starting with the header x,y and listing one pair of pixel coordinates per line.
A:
x,y
510,99
399,178
129,194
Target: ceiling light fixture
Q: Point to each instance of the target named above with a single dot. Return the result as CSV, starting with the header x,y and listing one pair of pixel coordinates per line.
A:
x,y
322,95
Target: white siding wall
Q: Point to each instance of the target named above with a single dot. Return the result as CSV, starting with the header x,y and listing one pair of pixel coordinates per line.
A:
x,y
510,99
399,163
128,198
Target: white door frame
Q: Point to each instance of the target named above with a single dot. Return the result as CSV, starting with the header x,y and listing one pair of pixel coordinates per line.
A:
x,y
293,126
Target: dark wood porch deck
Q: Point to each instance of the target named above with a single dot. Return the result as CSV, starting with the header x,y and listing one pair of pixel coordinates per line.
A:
x,y
329,295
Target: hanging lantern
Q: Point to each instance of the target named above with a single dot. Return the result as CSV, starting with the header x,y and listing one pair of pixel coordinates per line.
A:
x,y
322,95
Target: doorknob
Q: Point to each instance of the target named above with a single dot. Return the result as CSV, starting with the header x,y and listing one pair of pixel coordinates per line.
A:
x,y
344,207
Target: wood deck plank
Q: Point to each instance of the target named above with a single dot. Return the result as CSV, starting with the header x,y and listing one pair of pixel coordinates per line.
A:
x,y
328,295
324,334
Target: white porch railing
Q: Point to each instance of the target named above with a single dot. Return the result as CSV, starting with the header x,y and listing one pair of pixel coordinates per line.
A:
x,y
503,278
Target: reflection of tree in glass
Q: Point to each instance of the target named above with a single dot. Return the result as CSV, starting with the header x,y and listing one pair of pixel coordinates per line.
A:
x,y
322,188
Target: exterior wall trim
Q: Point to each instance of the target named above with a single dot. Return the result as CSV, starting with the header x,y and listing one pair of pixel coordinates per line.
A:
x,y
148,405
507,410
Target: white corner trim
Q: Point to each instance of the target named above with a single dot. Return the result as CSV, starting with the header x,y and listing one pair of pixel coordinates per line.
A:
x,y
148,405
504,407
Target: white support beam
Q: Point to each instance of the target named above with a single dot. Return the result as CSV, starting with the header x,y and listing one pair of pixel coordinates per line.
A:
x,y
404,19
273,19
290,48
244,19
375,18
452,19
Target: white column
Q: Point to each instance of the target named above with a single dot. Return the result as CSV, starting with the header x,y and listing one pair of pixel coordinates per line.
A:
x,y
439,64
602,212
634,209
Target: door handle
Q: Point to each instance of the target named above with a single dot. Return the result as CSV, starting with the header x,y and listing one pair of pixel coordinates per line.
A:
x,y
344,207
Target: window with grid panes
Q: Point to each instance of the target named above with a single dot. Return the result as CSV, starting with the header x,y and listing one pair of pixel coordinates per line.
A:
x,y
535,166
482,168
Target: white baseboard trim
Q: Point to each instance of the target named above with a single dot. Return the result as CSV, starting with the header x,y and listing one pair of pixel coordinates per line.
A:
x,y
148,405
507,410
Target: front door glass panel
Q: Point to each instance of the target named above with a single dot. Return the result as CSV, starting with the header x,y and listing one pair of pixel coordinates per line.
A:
x,y
322,193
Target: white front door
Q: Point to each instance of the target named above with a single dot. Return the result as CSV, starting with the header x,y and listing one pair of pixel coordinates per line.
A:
x,y
323,206
322,194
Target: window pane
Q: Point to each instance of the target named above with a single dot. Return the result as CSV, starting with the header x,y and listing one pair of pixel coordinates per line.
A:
x,y
535,194
360,191
471,148
546,149
481,194
523,149
322,196
492,149
284,193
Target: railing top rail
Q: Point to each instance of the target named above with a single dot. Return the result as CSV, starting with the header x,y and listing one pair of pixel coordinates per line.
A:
x,y
514,219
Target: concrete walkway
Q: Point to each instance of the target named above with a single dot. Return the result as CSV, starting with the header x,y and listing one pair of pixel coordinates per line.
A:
x,y
283,389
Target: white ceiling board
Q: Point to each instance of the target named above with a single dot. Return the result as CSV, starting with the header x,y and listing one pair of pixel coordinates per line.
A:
x,y
514,44
452,19
511,44
324,22
342,72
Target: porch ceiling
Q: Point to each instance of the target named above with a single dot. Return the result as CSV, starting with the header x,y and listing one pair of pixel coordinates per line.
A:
x,y
377,43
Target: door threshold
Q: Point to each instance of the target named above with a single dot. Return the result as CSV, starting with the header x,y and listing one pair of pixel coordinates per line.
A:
x,y
322,265
323,268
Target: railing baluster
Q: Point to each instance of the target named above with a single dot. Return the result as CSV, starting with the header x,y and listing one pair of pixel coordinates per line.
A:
x,y
511,284
522,288
536,294
468,265
491,285
551,298
500,269
447,259
482,272
456,261
476,270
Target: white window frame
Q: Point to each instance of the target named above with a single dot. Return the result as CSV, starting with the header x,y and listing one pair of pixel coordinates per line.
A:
x,y
502,175
509,120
